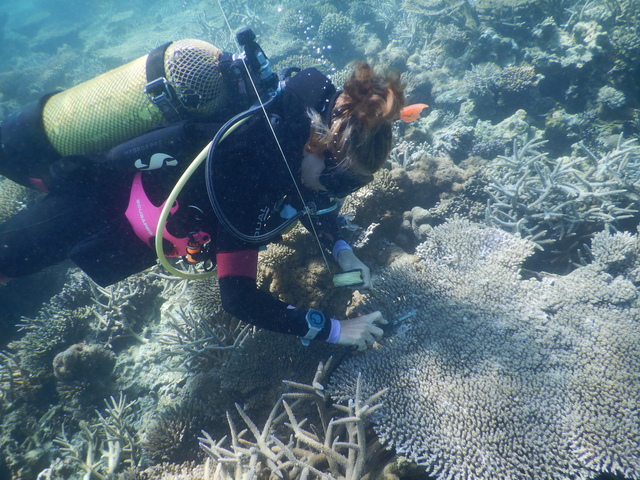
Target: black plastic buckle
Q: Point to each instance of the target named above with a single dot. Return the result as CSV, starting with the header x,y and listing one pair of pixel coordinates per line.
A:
x,y
161,94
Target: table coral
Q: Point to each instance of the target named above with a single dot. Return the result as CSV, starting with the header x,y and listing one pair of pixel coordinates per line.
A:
x,y
492,376
13,198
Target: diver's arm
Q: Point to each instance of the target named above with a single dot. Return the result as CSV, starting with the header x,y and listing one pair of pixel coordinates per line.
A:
x,y
327,225
242,299
329,231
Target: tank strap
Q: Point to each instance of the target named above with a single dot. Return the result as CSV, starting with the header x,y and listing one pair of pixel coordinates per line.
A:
x,y
158,89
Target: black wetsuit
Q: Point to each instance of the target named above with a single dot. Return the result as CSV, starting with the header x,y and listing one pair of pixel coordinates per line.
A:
x,y
83,216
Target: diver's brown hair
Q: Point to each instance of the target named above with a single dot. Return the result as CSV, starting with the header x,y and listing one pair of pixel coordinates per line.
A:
x,y
359,135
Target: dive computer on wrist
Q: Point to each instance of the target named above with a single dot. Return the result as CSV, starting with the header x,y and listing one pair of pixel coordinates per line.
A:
x,y
315,320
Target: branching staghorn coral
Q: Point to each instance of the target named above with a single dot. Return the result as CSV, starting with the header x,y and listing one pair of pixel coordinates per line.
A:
x,y
115,308
84,457
171,285
13,379
55,328
563,200
491,376
202,342
107,446
461,10
111,313
336,448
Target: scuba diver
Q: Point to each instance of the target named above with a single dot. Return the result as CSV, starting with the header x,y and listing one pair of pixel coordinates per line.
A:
x,y
308,146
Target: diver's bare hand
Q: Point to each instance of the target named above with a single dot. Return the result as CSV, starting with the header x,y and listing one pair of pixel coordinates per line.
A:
x,y
348,261
362,331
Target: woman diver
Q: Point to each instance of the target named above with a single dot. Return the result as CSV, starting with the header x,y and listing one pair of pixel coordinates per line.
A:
x,y
102,209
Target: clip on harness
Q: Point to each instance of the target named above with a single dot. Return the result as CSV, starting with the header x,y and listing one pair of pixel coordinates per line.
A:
x,y
158,89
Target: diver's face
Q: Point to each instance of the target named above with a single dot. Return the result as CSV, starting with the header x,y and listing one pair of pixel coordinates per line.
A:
x,y
312,167
322,174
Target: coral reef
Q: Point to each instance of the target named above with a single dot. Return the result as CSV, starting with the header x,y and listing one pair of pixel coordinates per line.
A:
x,y
256,368
294,269
493,376
338,38
611,98
470,203
301,21
108,446
62,351
561,203
331,447
335,29
204,297
514,127
202,340
13,198
422,182
173,436
302,62
60,323
492,348
12,380
516,86
30,81
482,79
83,375
116,308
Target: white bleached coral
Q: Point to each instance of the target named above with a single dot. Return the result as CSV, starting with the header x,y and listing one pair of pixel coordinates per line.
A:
x,y
492,376
13,198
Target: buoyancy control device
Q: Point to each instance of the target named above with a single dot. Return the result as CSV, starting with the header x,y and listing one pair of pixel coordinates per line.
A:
x,y
183,79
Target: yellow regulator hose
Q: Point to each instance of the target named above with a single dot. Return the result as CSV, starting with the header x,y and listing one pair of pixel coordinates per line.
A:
x,y
164,214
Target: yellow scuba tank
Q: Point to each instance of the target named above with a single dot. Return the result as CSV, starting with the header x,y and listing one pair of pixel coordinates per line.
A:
x,y
175,81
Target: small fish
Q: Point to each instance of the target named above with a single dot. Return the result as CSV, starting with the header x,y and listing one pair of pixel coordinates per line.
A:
x,y
412,112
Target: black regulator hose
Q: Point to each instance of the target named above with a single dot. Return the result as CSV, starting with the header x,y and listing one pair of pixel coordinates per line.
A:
x,y
226,129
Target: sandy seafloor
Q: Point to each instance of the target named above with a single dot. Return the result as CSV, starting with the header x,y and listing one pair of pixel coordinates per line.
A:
x,y
534,113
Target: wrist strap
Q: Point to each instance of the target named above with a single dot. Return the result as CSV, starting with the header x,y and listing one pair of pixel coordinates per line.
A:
x,y
338,247
336,328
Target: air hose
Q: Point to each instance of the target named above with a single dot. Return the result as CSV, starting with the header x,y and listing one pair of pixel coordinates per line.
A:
x,y
164,215
226,129
207,154
217,208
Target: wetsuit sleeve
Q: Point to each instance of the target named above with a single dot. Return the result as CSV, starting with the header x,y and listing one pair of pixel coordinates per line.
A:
x,y
242,299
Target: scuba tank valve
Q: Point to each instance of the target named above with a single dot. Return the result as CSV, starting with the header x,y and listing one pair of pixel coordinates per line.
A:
x,y
257,60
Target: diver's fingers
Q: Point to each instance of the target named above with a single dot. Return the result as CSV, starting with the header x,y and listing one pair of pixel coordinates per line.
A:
x,y
375,317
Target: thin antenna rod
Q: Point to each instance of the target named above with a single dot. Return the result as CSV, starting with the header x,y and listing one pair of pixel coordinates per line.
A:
x,y
284,157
